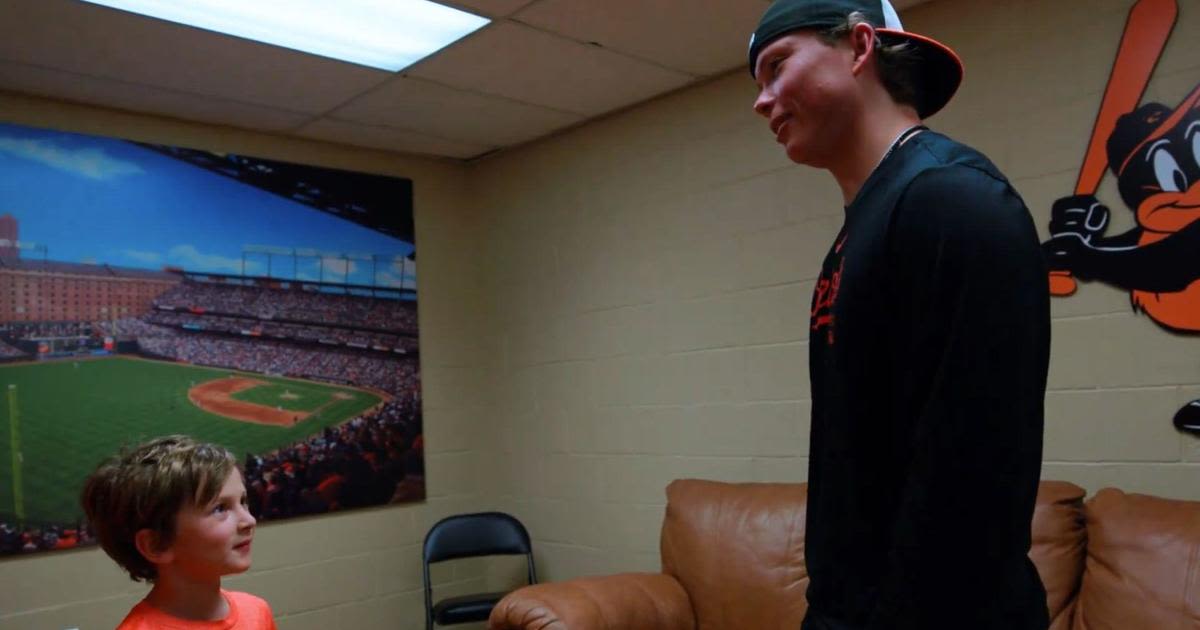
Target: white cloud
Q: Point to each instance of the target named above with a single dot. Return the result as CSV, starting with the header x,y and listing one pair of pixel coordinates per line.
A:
x,y
407,267
89,163
191,259
398,275
149,258
334,267
393,280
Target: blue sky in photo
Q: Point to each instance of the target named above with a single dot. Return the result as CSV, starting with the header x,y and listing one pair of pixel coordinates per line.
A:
x,y
106,201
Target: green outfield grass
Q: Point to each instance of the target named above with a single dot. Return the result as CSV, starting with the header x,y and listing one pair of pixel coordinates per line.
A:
x,y
73,414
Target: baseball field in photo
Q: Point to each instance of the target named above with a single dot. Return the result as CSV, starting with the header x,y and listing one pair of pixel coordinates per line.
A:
x,y
71,414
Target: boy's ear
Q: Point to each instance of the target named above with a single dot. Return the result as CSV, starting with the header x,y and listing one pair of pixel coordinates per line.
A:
x,y
150,546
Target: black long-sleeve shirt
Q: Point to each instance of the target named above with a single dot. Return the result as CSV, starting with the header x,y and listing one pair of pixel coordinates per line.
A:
x,y
929,347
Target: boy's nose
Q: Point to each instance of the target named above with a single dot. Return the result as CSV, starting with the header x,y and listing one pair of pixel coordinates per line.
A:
x,y
247,521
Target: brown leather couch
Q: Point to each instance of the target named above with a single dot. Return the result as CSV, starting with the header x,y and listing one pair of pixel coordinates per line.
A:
x,y
733,558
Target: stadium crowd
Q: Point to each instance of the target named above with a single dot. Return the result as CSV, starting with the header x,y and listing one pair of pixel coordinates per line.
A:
x,y
29,539
9,352
372,459
281,330
377,370
55,330
294,304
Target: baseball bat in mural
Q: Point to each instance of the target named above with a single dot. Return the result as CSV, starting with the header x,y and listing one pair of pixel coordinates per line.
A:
x,y
1146,33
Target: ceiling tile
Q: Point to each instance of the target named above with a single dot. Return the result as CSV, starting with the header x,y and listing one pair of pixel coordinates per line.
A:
x,y
530,73
68,86
531,66
388,139
446,112
102,42
490,8
704,36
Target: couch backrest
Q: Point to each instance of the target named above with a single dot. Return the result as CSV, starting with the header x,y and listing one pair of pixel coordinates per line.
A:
x,y
1143,564
738,551
1059,547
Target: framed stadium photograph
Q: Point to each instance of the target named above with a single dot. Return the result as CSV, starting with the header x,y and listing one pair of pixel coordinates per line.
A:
x,y
150,290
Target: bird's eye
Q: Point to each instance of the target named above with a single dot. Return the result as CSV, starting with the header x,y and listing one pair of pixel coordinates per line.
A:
x,y
1166,170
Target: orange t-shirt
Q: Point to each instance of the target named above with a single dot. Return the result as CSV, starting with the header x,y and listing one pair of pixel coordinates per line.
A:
x,y
246,612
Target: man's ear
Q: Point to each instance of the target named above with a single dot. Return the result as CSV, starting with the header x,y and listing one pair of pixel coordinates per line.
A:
x,y
150,546
862,43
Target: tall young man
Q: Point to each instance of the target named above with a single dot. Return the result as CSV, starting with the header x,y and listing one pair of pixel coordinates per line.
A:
x,y
929,336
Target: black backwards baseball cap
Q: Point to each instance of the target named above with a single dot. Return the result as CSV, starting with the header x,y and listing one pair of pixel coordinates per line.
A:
x,y
939,70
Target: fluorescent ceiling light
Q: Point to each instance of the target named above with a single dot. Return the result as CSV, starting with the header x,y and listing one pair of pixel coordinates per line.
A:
x,y
385,34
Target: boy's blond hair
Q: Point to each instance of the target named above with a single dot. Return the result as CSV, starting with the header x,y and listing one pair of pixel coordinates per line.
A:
x,y
145,488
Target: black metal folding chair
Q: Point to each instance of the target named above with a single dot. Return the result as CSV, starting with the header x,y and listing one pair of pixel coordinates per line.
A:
x,y
465,536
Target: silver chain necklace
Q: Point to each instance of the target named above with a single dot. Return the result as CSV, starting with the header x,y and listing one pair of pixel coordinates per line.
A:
x,y
904,135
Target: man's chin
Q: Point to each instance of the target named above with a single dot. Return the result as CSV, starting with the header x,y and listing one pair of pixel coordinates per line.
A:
x,y
805,155
799,156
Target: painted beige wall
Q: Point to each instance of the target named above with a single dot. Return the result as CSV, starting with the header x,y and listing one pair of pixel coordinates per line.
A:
x,y
358,570
651,275
626,304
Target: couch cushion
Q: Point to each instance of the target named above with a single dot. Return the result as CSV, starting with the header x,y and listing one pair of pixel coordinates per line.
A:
x,y
1143,564
626,601
1059,547
738,551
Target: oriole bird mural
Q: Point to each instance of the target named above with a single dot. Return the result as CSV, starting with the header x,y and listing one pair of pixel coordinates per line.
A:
x,y
1154,152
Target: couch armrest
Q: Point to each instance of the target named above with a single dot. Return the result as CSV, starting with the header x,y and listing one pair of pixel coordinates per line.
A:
x,y
627,601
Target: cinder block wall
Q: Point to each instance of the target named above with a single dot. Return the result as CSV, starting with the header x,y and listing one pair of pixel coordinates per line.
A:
x,y
651,277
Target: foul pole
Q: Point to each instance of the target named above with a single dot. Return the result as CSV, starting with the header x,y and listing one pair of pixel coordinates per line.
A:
x,y
14,430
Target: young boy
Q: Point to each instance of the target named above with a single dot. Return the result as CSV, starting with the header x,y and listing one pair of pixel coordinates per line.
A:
x,y
172,511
